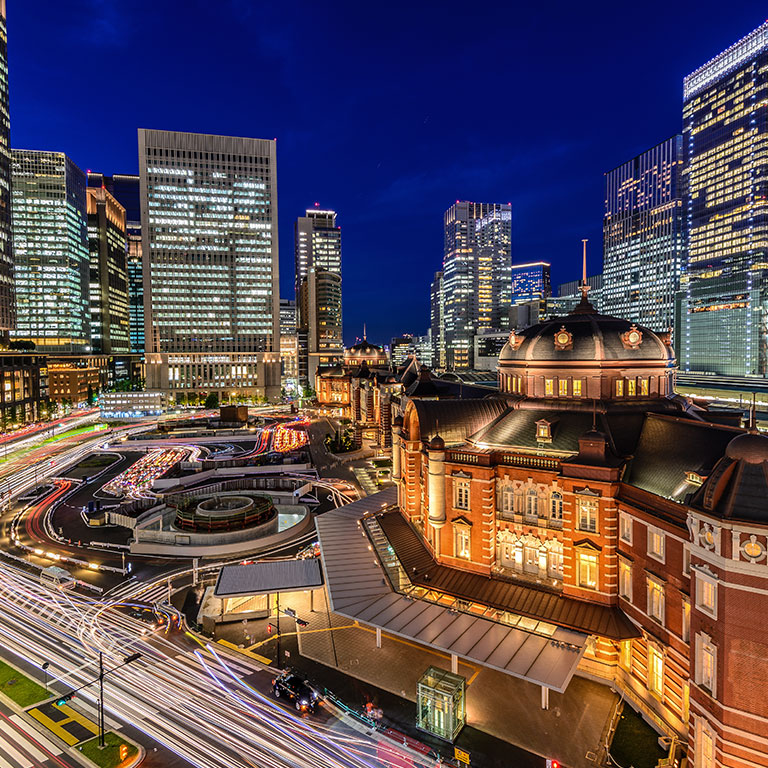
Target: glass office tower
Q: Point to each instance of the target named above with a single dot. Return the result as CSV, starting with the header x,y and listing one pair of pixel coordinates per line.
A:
x,y
476,275
531,282
125,188
723,308
210,247
110,327
50,237
643,239
318,292
437,320
7,300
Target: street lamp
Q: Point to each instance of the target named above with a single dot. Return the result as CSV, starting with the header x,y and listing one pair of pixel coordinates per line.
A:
x,y
45,669
64,698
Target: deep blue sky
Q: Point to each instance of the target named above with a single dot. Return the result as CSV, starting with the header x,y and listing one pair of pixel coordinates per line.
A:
x,y
387,112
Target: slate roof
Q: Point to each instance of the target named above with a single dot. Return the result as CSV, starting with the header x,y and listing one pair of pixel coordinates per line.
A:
x,y
532,601
670,446
268,576
455,420
595,337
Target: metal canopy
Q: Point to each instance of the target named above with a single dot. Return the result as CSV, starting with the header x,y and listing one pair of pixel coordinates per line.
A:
x,y
358,588
269,576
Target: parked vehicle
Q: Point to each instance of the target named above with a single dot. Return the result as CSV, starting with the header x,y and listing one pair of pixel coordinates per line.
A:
x,y
293,688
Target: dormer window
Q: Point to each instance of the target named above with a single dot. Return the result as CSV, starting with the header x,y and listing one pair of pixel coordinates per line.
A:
x,y
563,339
619,387
543,431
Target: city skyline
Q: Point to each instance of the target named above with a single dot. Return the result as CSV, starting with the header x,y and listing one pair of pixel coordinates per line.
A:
x,y
400,156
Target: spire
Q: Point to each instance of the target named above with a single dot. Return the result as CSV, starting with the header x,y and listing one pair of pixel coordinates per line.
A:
x,y
365,335
584,307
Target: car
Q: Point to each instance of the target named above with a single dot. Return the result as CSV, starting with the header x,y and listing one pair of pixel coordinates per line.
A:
x,y
293,688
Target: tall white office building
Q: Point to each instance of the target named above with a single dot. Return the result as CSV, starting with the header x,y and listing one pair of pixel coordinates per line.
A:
x,y
210,243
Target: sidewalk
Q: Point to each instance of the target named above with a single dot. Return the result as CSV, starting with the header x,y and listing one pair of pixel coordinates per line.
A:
x,y
507,726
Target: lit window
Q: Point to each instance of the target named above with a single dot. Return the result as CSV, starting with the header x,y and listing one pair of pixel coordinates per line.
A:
x,y
556,506
706,663
461,540
577,387
549,386
588,510
625,527
625,655
656,543
686,633
588,575
706,594
461,494
619,387
705,751
531,503
655,599
543,431
631,387
625,580
655,670
644,385
562,387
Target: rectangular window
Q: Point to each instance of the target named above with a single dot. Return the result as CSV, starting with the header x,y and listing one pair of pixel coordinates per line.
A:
x,y
655,599
588,576
577,387
588,510
562,387
686,630
625,580
656,543
655,670
461,494
631,387
706,594
625,655
462,542
686,560
706,750
625,528
644,386
549,386
619,387
707,663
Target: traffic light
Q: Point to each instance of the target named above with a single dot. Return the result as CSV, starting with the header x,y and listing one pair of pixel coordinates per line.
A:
x,y
552,763
62,700
302,622
270,628
123,751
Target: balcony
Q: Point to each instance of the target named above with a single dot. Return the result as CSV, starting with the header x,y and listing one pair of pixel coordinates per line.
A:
x,y
539,522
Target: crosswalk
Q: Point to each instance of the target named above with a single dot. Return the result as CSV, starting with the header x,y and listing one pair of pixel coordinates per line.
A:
x,y
21,746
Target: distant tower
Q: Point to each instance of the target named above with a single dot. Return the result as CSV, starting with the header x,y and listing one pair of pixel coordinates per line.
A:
x,y
7,293
476,275
318,292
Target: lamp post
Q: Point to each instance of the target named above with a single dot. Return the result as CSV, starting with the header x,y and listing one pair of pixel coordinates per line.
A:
x,y
64,698
45,670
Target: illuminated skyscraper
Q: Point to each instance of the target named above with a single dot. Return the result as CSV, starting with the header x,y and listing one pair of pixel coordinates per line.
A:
x,y
318,292
531,282
476,275
50,239
723,308
209,227
437,320
643,239
126,190
7,300
110,328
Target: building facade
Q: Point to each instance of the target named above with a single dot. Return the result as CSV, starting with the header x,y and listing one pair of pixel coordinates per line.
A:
x,y
476,275
531,282
401,348
569,296
643,236
109,299
723,302
50,237
7,287
437,320
289,346
23,390
318,291
588,498
210,249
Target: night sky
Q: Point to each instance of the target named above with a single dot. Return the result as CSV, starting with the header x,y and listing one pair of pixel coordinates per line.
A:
x,y
386,112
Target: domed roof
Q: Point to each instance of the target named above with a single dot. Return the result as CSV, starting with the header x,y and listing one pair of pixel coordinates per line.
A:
x,y
364,348
437,443
751,448
586,335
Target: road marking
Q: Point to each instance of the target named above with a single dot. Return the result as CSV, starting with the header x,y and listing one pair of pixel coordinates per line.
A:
x,y
39,738
25,738
14,754
246,651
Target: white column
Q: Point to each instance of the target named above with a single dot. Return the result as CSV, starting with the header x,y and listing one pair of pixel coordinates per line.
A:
x,y
378,637
436,488
544,697
395,454
454,664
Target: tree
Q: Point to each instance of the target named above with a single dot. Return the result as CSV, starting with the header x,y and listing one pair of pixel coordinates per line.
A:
x,y
212,401
91,395
21,345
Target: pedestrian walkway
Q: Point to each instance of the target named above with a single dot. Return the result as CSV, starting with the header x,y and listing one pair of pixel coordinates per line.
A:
x,y
22,747
70,726
367,483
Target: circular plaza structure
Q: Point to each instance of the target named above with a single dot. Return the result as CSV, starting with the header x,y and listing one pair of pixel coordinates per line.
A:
x,y
224,512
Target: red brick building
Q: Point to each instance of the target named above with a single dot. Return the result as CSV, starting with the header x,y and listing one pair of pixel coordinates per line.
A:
x,y
586,495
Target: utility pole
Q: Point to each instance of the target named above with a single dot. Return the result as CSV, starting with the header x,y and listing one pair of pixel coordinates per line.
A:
x,y
277,595
101,700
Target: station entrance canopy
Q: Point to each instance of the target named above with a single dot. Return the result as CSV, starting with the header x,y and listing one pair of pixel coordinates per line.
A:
x,y
268,577
375,590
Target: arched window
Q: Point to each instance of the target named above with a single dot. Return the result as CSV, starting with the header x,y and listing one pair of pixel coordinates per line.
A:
x,y
556,507
531,503
519,501
555,561
507,501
